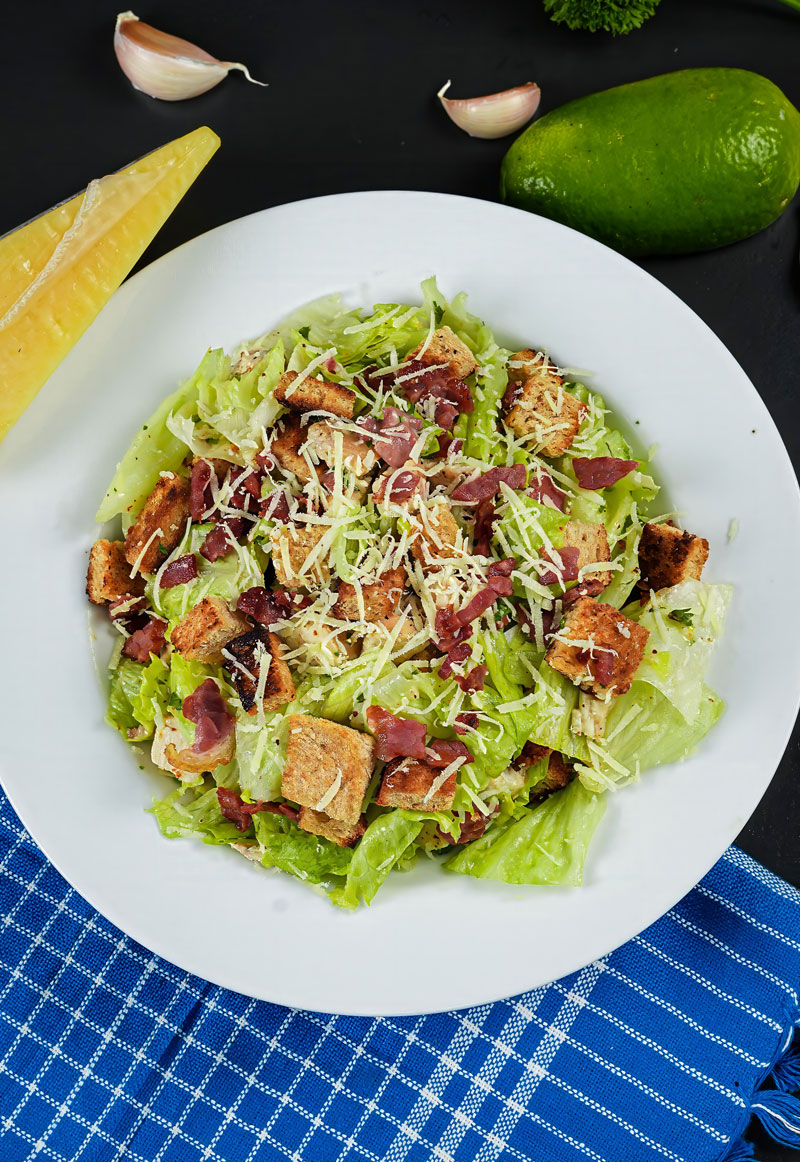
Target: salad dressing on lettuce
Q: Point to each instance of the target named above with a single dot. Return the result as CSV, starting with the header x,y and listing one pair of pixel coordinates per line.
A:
x,y
386,591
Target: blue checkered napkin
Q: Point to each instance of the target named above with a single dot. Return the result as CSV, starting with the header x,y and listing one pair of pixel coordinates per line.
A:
x,y
655,1052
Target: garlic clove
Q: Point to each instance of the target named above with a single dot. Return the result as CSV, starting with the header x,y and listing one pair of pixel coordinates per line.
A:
x,y
496,115
166,66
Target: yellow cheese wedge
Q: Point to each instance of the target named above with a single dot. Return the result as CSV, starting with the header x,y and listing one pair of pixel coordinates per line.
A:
x,y
58,271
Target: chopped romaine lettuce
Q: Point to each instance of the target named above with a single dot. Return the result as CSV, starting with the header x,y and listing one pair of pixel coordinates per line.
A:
x,y
381,847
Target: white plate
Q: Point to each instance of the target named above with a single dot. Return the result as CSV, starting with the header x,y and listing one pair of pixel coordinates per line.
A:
x,y
431,941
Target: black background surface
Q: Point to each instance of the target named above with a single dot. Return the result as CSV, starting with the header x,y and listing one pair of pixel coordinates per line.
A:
x,y
351,106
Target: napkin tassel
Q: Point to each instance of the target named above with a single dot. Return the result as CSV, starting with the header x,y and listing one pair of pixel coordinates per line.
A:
x,y
779,1114
777,1108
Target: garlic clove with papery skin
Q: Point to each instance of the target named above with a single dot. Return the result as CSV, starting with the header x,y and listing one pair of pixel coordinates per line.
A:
x,y
166,66
493,116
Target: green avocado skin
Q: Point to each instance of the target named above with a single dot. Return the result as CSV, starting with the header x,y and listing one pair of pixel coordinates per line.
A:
x,y
686,161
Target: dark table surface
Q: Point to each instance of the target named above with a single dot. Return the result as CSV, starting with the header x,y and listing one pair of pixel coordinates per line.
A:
x,y
351,106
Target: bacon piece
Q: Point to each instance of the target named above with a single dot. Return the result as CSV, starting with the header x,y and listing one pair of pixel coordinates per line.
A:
x,y
266,461
488,483
601,665
398,432
199,491
601,471
399,486
145,641
441,752
419,383
485,517
240,813
591,587
179,572
448,446
275,506
465,721
213,720
455,656
544,489
548,620
569,555
126,607
473,827
219,541
478,605
265,606
450,631
396,737
473,682
502,568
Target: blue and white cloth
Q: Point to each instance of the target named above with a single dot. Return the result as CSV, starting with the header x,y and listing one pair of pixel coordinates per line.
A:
x,y
660,1051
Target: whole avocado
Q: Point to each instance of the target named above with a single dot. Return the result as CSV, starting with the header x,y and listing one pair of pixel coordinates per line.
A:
x,y
687,161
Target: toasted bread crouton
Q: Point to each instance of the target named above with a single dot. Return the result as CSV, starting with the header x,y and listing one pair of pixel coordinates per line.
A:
x,y
328,767
160,525
532,753
591,542
437,534
243,658
318,823
527,363
599,649
669,555
416,787
109,576
208,626
559,774
380,599
292,545
358,455
315,395
286,445
538,405
446,347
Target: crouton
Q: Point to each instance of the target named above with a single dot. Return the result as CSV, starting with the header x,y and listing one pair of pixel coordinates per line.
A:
x,y
669,555
358,456
328,767
446,347
559,773
318,823
591,542
526,363
315,395
243,658
532,753
437,535
208,626
292,545
160,525
109,576
285,448
598,648
380,599
538,405
413,785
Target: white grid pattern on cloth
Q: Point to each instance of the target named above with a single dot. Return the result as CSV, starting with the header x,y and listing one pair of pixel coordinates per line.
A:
x,y
410,1130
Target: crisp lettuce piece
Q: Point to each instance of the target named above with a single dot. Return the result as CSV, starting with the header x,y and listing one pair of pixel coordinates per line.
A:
x,y
126,682
261,754
645,730
541,845
307,857
152,700
678,651
237,406
194,813
382,846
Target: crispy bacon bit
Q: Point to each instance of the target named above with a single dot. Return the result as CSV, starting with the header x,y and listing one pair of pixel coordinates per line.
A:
x,y
473,827
485,518
209,711
455,656
478,605
473,682
450,631
145,641
544,489
266,461
601,665
328,480
396,737
441,752
399,486
419,384
126,607
568,571
179,572
398,433
448,447
219,541
591,587
488,484
499,569
246,495
275,506
234,808
601,471
465,721
548,620
200,499
267,607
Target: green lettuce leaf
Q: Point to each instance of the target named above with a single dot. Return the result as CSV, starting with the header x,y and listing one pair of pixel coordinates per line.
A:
x,y
645,730
382,846
124,688
307,857
194,813
225,578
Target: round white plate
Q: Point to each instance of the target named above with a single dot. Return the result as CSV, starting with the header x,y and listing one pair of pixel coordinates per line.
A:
x,y
431,941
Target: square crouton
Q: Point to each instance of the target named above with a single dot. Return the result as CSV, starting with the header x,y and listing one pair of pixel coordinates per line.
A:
x,y
446,347
559,774
109,576
591,542
526,363
208,626
416,787
598,648
243,658
437,534
669,555
292,545
318,823
160,525
315,395
358,456
380,600
285,448
328,767
538,405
